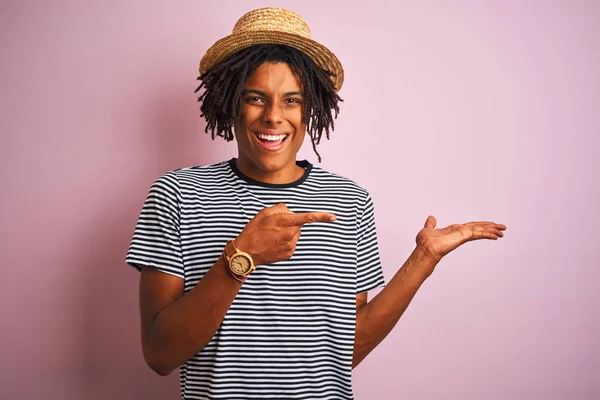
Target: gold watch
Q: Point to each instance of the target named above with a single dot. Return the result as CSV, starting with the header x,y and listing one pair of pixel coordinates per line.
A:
x,y
239,263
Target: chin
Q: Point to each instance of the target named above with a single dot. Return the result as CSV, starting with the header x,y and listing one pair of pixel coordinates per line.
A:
x,y
272,163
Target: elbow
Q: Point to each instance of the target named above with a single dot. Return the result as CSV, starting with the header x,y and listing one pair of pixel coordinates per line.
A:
x,y
160,369
157,363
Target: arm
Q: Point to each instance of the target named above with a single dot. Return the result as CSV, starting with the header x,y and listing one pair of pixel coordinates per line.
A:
x,y
175,326
376,319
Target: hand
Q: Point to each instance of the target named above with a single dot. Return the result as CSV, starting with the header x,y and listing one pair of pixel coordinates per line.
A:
x,y
433,244
272,234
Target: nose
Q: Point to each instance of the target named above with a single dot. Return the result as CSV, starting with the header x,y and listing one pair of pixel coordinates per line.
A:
x,y
273,114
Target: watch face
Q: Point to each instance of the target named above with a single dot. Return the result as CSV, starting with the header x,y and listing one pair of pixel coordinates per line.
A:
x,y
240,265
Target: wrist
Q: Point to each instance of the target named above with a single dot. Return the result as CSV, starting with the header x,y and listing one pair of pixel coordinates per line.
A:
x,y
421,263
239,263
229,272
241,244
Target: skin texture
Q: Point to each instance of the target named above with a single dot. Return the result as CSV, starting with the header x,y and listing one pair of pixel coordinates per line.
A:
x,y
272,103
177,326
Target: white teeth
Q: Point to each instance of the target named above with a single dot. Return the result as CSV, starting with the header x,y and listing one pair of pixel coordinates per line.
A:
x,y
272,138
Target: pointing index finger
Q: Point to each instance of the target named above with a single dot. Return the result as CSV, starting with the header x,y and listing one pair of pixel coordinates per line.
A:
x,y
300,219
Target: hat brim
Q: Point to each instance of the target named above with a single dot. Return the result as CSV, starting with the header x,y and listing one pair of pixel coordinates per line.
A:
x,y
321,55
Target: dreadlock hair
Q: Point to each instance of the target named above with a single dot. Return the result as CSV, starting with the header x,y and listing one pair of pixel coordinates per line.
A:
x,y
224,84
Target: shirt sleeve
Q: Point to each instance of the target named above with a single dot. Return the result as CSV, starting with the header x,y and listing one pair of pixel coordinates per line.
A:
x,y
156,241
369,270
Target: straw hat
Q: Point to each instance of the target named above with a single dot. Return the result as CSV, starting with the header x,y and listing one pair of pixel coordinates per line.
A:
x,y
273,26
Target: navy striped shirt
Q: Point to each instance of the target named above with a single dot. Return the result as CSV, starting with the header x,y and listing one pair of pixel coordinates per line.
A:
x,y
289,333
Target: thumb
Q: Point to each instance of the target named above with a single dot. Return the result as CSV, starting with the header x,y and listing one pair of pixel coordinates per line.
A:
x,y
431,222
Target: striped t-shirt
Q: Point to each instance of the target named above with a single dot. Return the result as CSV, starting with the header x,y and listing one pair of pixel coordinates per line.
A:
x,y
289,333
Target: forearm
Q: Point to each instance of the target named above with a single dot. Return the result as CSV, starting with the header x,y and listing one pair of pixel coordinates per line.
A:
x,y
186,326
376,319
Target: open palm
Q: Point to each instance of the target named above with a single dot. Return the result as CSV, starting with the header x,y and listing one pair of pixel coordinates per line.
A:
x,y
436,243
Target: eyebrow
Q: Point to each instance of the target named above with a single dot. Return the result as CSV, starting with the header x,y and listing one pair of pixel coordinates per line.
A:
x,y
261,93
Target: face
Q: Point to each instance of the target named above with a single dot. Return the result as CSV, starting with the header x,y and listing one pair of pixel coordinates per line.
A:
x,y
240,265
270,130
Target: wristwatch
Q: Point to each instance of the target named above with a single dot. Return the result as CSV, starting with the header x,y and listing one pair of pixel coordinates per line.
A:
x,y
239,263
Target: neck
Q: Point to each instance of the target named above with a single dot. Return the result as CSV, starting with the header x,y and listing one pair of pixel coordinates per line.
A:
x,y
282,176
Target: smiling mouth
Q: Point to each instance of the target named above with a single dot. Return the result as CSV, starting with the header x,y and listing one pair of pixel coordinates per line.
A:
x,y
271,142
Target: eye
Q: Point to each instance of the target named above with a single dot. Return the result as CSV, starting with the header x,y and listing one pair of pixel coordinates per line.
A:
x,y
293,100
254,100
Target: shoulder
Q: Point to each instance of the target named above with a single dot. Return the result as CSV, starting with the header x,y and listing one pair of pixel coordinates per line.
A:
x,y
174,185
195,176
334,181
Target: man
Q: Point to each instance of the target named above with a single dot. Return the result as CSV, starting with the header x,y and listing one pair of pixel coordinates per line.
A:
x,y
255,271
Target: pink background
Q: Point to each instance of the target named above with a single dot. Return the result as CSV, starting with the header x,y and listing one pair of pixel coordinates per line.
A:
x,y
464,109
